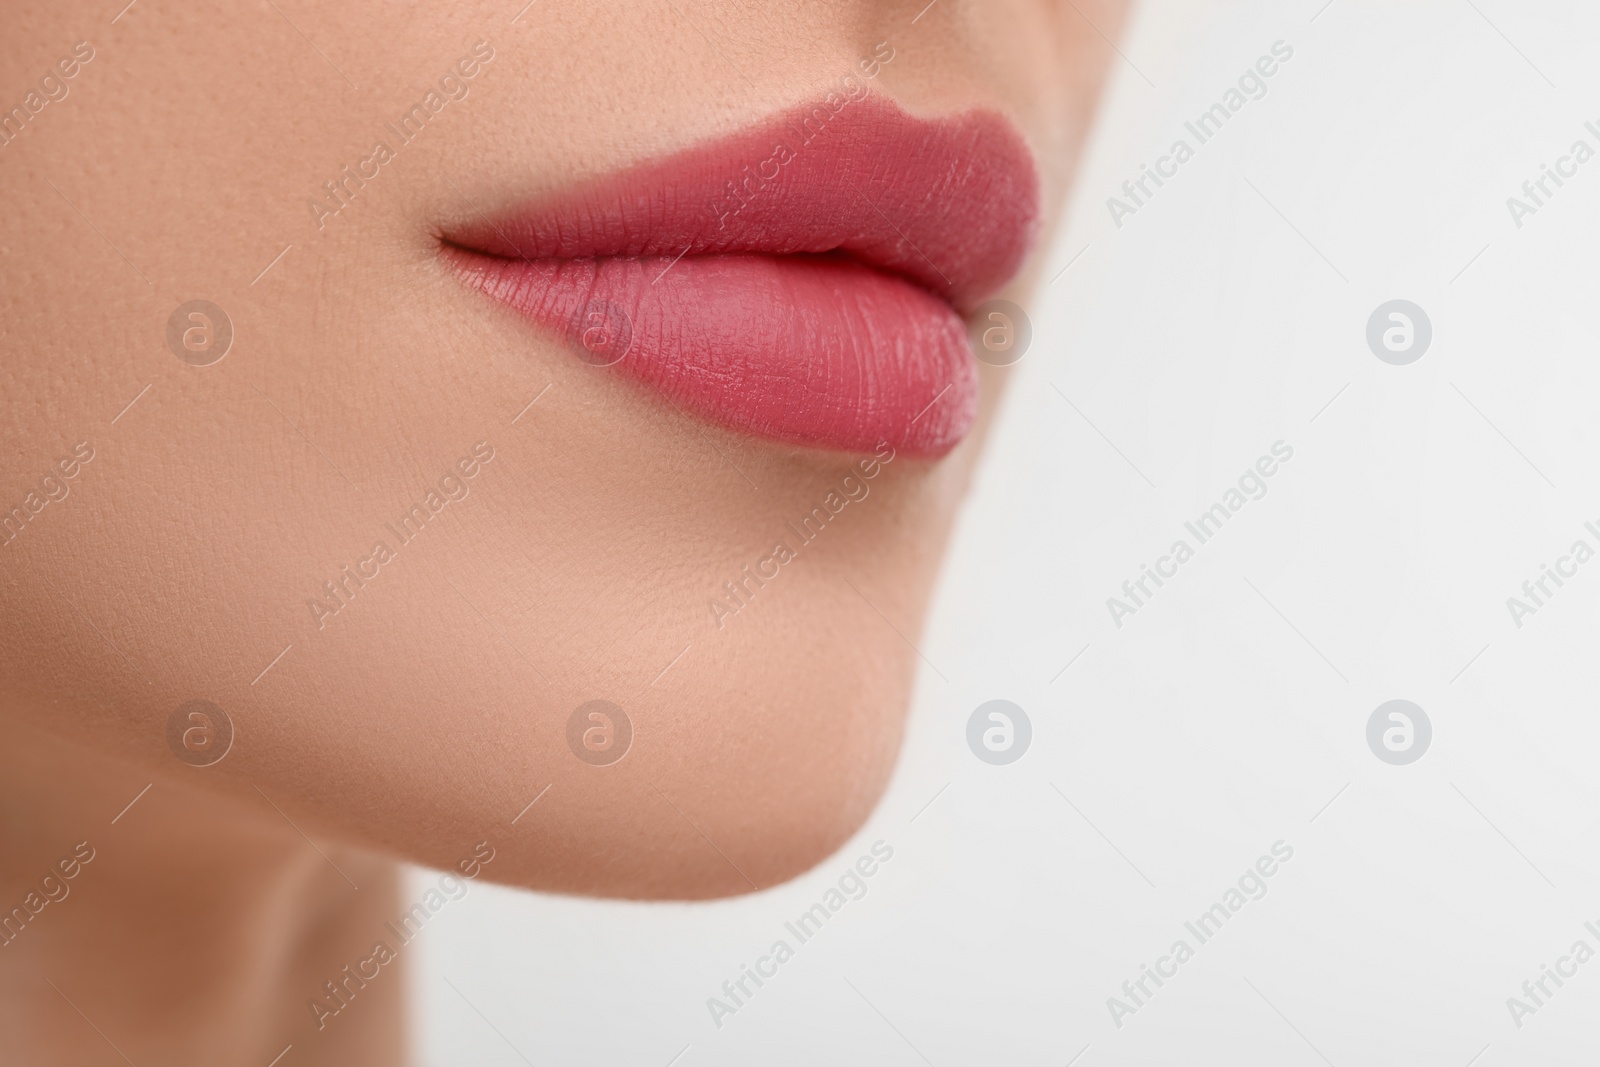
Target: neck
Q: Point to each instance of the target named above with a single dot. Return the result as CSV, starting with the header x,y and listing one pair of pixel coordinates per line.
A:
x,y
192,930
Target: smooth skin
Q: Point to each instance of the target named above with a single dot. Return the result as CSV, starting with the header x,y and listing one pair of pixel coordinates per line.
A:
x,y
421,719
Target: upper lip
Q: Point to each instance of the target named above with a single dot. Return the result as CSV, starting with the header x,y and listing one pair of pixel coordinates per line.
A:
x,y
960,225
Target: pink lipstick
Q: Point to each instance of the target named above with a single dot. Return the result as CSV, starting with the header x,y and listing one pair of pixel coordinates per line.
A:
x,y
802,282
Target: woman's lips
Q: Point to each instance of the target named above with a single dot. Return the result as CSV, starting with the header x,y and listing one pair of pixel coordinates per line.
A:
x,y
801,282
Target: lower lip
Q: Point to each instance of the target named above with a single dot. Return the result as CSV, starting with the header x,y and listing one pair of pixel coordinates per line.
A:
x,y
807,350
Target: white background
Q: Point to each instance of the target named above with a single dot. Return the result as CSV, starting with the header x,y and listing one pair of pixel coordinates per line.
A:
x,y
1221,318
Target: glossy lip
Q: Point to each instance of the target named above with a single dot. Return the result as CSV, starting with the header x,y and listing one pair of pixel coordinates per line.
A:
x,y
802,281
